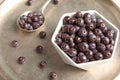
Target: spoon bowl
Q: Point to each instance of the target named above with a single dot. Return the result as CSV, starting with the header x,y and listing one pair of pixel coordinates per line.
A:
x,y
20,27
31,29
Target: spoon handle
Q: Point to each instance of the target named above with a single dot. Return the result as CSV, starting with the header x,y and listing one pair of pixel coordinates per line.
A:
x,y
44,6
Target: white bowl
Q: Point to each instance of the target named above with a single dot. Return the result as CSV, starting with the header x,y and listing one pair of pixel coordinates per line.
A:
x,y
86,65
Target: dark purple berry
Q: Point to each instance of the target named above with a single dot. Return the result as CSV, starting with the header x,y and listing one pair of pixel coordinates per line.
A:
x,y
66,20
107,54
42,34
92,46
81,59
52,75
72,52
14,43
82,32
42,64
98,56
55,2
90,26
109,47
77,39
89,54
21,60
65,46
78,14
80,22
97,32
105,40
110,33
83,46
101,47
39,49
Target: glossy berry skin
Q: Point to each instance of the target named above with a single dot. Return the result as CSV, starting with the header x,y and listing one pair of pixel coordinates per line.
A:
x,y
101,47
83,46
72,52
82,32
65,47
98,56
105,40
107,54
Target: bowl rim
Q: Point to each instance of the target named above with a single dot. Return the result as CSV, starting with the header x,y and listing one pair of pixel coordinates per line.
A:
x,y
86,63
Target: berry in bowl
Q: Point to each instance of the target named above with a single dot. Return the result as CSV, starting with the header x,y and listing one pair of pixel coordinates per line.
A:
x,y
85,38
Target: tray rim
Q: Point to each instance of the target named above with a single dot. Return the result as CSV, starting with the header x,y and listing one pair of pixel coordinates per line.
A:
x,y
3,73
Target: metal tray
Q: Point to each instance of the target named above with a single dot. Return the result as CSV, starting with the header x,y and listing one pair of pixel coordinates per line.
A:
x,y
11,70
